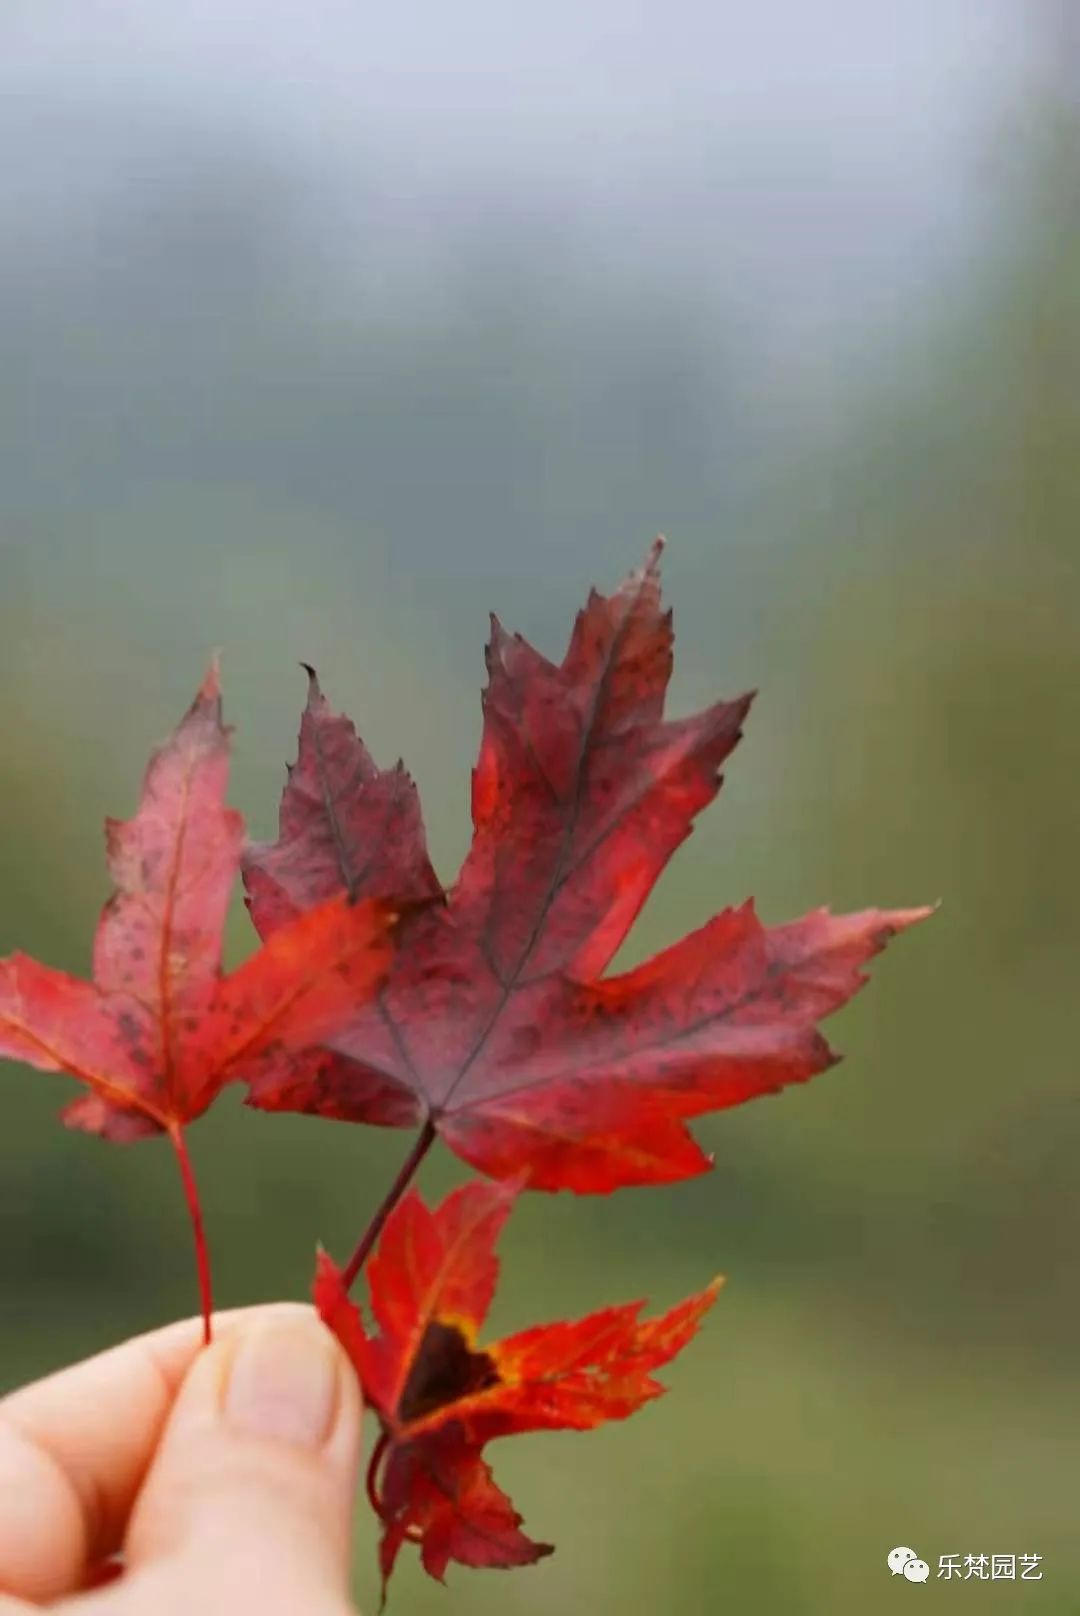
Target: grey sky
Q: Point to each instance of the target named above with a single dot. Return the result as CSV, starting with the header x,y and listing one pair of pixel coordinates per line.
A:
x,y
586,93
818,158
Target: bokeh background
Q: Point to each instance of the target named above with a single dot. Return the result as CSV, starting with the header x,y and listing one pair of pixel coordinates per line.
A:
x,y
326,328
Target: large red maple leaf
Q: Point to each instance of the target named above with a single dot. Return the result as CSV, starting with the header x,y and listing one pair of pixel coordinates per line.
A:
x,y
496,1026
441,1397
160,1029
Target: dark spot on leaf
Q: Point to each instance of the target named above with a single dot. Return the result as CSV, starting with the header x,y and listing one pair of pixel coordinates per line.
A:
x,y
446,1369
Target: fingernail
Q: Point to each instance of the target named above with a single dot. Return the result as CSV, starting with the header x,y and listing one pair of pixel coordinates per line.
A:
x,y
284,1383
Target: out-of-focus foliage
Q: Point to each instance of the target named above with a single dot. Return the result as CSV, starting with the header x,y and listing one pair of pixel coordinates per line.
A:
x,y
894,1357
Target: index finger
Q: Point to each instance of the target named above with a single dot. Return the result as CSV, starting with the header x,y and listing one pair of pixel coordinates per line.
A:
x,y
74,1449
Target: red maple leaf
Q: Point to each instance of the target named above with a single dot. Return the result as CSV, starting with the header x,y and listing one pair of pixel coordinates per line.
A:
x,y
159,1030
441,1397
496,1026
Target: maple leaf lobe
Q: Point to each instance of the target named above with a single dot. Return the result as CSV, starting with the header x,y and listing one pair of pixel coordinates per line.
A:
x,y
443,1496
344,825
173,865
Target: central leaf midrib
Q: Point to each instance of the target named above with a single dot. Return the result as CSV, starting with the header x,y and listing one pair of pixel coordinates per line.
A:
x,y
169,900
510,983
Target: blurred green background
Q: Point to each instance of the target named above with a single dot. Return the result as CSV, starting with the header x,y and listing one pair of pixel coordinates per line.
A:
x,y
322,341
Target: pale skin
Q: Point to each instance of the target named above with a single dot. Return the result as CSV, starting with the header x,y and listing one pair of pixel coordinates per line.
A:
x,y
225,1476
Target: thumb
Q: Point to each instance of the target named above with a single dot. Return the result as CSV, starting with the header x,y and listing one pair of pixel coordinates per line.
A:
x,y
249,1500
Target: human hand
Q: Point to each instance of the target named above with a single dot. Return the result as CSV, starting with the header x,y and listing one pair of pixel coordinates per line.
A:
x,y
226,1477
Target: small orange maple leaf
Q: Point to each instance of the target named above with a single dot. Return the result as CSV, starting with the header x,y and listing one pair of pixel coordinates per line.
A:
x,y
440,1396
